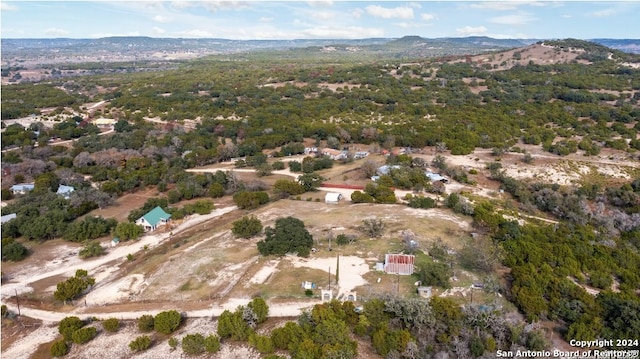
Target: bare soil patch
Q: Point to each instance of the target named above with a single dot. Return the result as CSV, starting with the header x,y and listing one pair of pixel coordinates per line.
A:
x,y
125,204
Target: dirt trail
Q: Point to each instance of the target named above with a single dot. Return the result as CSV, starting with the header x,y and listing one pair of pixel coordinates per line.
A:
x,y
19,282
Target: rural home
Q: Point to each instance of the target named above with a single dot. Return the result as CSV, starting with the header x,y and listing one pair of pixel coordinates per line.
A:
x,y
154,218
310,150
386,169
65,191
332,197
21,188
7,218
334,154
436,177
399,263
360,154
104,122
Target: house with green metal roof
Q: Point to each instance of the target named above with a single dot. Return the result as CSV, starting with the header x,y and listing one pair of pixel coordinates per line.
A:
x,y
154,218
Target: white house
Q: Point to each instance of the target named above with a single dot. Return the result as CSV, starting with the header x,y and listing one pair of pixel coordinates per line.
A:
x,y
334,154
436,177
104,122
21,188
7,217
154,218
65,191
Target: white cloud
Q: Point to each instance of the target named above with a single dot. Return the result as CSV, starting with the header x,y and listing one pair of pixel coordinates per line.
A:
x,y
567,16
158,30
427,17
357,13
401,12
515,19
320,3
160,18
7,7
56,32
351,32
506,5
181,4
603,13
265,19
471,30
415,5
214,6
495,5
323,15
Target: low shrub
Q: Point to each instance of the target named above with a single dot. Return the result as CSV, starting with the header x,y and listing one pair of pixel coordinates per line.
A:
x,y
141,343
111,325
59,349
84,335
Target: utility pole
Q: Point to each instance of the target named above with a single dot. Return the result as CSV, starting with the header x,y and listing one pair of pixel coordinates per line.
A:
x,y
329,277
17,301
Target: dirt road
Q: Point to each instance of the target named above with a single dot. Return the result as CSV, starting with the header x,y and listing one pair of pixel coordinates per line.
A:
x,y
20,282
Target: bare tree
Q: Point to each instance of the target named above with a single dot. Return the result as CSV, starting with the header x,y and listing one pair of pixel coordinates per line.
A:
x,y
439,162
234,183
373,227
369,133
409,241
369,168
343,134
83,159
374,147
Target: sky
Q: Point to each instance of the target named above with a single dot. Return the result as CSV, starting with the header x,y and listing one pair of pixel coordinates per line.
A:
x,y
247,20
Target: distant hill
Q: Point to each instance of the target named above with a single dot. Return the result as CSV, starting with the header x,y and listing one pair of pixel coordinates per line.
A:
x,y
122,49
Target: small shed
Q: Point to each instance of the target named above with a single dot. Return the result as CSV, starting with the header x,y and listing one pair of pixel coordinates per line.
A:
x,y
332,197
425,292
351,296
308,285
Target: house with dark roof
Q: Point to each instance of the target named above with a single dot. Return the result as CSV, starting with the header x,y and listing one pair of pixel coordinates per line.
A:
x,y
153,219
